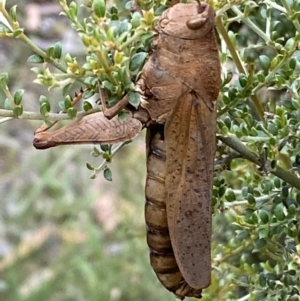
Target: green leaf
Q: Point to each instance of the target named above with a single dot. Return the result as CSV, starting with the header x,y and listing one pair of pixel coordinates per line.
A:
x,y
89,166
36,59
264,216
57,51
72,12
18,96
122,116
107,174
254,218
50,51
230,196
7,104
262,279
293,63
96,152
105,147
108,86
137,61
72,112
4,80
18,111
251,199
87,94
134,98
280,212
263,233
99,8
87,106
285,191
265,61
136,19
260,243
260,77
13,13
45,108
68,102
66,89
289,44
298,198
243,80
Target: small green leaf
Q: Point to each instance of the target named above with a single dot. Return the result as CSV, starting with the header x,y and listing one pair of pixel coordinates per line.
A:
x,y
298,198
293,63
96,152
105,147
264,216
134,98
99,8
108,86
122,116
18,111
72,112
36,59
57,50
45,108
261,296
279,212
87,106
107,174
292,210
68,102
230,196
260,243
260,77
89,166
243,80
72,13
262,280
50,51
13,13
289,44
137,61
285,191
87,94
4,80
265,61
136,19
17,32
66,89
251,199
254,218
18,96
7,104
273,164
263,233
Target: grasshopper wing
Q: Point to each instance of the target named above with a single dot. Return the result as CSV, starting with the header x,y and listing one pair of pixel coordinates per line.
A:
x,y
190,149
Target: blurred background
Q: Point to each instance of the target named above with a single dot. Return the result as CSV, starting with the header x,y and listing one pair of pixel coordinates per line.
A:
x,y
64,236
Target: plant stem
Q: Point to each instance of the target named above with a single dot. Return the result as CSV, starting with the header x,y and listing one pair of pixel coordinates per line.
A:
x,y
237,60
35,115
250,155
250,24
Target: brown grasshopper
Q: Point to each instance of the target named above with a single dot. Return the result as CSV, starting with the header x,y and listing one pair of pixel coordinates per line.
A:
x,y
179,85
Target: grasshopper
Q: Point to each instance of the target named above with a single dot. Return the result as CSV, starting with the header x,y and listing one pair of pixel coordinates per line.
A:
x,y
179,87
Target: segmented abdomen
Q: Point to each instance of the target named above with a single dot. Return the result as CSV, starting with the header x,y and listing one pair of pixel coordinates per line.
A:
x,y
161,253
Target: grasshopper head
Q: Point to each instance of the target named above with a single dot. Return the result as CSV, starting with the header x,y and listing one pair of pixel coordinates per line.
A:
x,y
188,21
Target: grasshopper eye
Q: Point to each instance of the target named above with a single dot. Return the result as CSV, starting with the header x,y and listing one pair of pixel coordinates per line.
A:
x,y
196,23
